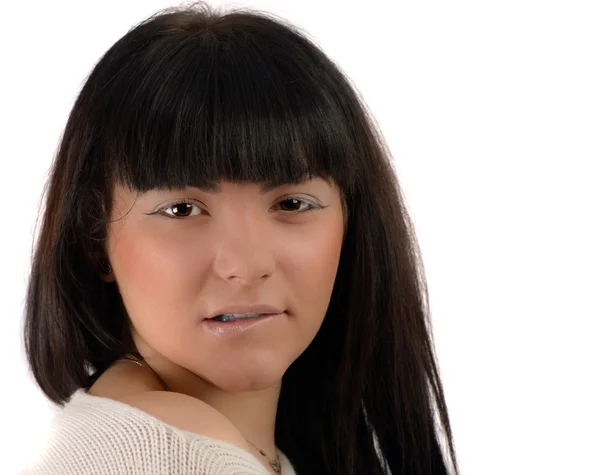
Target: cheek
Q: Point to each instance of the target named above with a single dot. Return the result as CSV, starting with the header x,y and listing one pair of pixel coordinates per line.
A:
x,y
315,263
156,279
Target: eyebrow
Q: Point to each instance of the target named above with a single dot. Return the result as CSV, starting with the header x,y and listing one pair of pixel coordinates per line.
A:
x,y
214,188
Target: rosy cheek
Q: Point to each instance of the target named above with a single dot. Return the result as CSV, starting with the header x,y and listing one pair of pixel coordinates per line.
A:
x,y
140,272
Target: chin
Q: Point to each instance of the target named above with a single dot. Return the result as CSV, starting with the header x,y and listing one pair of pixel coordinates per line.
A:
x,y
245,378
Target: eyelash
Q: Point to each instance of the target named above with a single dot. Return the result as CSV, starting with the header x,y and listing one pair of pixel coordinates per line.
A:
x,y
191,202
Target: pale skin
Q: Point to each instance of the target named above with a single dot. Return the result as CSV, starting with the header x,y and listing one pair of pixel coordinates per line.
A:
x,y
238,245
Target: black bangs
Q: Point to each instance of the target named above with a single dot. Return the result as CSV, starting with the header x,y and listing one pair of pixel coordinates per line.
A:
x,y
242,102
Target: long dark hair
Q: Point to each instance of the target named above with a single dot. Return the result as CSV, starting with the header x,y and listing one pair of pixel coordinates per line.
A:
x,y
192,96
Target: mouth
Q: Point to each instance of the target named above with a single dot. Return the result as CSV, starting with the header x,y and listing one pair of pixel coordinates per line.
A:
x,y
230,325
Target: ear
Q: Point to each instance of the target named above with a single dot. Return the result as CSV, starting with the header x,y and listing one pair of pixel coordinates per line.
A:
x,y
103,267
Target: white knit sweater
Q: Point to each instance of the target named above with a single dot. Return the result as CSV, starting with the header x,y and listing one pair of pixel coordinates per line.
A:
x,y
97,435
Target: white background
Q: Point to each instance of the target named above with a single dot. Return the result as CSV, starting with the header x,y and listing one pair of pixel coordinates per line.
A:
x,y
492,112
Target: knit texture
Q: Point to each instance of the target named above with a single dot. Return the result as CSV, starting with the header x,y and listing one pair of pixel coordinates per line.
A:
x,y
97,435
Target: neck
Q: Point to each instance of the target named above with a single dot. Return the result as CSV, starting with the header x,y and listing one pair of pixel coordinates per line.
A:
x,y
252,412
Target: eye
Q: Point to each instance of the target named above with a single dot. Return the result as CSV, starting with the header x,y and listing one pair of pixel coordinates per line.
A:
x,y
182,209
294,202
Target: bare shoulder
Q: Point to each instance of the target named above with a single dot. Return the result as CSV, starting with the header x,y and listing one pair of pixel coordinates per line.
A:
x,y
187,413
137,387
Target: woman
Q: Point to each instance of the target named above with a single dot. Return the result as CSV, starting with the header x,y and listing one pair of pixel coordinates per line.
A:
x,y
226,279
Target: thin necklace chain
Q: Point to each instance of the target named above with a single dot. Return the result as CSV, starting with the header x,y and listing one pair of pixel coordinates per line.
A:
x,y
275,463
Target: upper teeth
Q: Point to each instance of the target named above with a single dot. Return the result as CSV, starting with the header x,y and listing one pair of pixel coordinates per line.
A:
x,y
244,315
233,316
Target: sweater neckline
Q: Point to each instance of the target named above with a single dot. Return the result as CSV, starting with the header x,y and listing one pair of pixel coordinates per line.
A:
x,y
82,397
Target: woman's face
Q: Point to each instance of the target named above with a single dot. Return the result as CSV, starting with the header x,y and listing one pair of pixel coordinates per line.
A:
x,y
179,255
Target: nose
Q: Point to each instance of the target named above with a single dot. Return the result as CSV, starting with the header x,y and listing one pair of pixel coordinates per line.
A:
x,y
244,251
